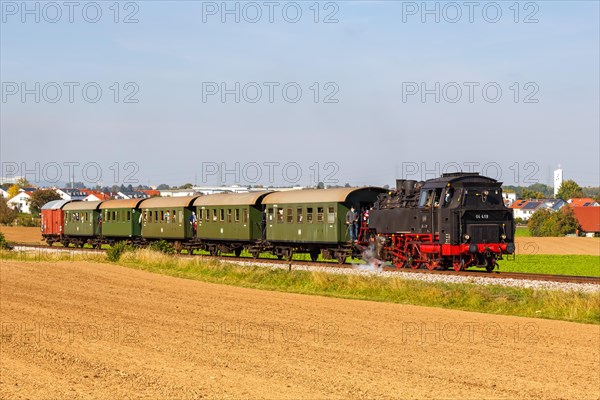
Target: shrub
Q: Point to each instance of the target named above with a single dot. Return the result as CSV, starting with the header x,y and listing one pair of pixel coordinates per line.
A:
x,y
162,246
3,243
28,220
115,252
558,223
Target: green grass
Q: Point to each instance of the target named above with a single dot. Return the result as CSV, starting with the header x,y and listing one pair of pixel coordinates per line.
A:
x,y
552,264
568,306
522,231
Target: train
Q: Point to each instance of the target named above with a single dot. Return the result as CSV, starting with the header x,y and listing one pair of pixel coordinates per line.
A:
x,y
456,221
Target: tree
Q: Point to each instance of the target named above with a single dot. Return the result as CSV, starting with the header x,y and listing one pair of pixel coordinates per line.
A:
x,y
186,186
162,186
22,183
320,185
13,191
7,214
569,190
547,223
41,197
530,194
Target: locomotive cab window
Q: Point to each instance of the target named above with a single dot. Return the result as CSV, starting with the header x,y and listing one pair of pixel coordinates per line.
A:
x,y
423,199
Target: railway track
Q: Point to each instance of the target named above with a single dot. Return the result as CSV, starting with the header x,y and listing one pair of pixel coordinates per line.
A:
x,y
492,275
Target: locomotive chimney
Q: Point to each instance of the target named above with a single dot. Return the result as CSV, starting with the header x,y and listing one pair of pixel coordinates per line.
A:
x,y
409,186
400,184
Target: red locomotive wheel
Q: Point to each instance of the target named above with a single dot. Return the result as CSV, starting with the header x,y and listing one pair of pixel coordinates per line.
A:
x,y
432,264
399,263
459,265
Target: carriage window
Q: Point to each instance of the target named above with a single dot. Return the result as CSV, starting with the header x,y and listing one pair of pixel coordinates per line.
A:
x,y
200,214
214,215
309,215
222,214
229,215
289,215
319,214
237,215
162,216
330,215
245,216
174,216
144,216
270,215
299,215
280,215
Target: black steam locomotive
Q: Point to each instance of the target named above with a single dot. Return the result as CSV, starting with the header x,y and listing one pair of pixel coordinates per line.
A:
x,y
456,221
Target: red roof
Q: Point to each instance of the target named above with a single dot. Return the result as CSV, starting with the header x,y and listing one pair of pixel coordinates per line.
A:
x,y
518,203
588,217
150,192
99,195
582,202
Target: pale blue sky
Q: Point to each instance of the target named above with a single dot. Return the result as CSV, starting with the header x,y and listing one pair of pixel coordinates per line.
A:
x,y
369,133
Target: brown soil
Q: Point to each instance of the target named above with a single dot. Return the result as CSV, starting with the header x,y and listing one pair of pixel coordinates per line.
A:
x,y
21,234
87,330
554,245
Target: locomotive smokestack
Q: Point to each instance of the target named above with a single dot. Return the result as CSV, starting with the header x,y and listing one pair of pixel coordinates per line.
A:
x,y
400,184
409,186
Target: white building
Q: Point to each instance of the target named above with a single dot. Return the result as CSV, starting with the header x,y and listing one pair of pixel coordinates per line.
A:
x,y
558,180
21,201
3,193
71,194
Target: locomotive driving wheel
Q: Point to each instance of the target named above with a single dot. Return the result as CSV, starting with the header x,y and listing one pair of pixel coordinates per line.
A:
x,y
432,264
459,265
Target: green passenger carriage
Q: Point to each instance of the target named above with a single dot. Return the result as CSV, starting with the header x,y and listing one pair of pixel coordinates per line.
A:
x,y
168,218
314,221
82,224
228,221
121,220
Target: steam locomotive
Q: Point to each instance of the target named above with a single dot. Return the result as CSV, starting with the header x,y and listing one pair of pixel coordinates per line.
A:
x,y
456,221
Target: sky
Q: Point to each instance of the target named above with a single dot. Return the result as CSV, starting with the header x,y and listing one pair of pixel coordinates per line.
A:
x,y
286,93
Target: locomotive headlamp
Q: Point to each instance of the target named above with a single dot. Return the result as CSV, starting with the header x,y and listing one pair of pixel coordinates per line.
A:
x,y
466,236
503,236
